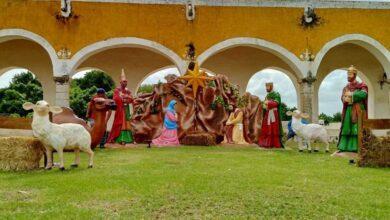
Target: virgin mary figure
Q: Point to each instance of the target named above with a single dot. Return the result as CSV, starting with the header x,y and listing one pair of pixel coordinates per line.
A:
x,y
168,136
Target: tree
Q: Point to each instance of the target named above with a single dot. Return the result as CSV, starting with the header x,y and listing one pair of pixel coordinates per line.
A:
x,y
24,87
327,119
83,89
12,102
26,84
337,117
146,88
25,78
95,78
31,92
79,99
284,110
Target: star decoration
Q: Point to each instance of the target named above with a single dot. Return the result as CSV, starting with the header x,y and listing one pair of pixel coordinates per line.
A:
x,y
196,78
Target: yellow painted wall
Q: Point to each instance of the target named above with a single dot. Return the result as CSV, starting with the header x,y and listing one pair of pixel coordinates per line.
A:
x,y
166,24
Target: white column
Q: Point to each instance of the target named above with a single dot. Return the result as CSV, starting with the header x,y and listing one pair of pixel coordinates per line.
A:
x,y
62,90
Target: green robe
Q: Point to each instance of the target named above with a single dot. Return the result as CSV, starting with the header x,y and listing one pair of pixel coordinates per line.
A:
x,y
349,131
276,97
126,136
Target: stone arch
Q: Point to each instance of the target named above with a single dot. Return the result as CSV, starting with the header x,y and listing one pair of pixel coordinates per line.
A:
x,y
368,43
43,63
368,55
112,43
151,73
291,76
13,34
4,70
296,65
88,68
46,89
208,71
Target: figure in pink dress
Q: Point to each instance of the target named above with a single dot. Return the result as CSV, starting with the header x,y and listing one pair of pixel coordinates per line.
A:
x,y
168,136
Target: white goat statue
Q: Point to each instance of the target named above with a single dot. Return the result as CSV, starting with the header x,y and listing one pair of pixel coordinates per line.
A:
x,y
58,136
308,132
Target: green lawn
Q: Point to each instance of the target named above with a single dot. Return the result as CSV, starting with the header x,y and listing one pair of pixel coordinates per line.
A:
x,y
199,182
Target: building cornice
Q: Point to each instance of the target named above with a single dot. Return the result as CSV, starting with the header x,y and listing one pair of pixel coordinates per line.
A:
x,y
357,4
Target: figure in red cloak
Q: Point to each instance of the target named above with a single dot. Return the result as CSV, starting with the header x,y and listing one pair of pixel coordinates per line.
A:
x,y
271,128
121,129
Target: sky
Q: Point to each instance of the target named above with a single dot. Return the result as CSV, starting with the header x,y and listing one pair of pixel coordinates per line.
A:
x,y
6,78
282,84
80,74
329,93
160,75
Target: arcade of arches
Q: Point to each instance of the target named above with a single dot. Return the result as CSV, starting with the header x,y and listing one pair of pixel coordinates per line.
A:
x,y
238,52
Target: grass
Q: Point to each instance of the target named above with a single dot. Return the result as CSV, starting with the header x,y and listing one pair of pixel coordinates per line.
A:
x,y
199,182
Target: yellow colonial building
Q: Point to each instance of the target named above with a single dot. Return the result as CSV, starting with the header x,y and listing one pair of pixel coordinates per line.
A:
x,y
304,39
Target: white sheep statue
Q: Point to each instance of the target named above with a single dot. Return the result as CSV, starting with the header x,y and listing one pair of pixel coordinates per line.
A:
x,y
59,137
308,132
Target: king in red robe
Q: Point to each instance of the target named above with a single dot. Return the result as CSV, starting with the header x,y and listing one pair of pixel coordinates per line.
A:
x,y
121,129
271,128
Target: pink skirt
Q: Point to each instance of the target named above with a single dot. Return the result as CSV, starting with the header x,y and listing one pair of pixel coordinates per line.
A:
x,y
167,138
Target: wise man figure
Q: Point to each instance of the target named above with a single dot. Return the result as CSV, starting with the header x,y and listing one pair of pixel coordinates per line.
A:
x,y
121,129
271,128
354,98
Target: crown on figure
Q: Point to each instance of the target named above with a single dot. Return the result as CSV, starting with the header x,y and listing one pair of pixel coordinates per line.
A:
x,y
123,76
269,84
352,69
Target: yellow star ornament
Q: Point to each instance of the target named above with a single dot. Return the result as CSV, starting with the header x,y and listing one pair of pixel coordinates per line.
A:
x,y
196,78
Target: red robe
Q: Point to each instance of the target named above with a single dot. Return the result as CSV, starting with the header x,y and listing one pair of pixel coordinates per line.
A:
x,y
270,131
121,97
352,86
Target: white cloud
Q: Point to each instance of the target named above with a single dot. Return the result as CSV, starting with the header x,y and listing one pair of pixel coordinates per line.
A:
x,y
159,76
329,95
282,84
6,78
80,74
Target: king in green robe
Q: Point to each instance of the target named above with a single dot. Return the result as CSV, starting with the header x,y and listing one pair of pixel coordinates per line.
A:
x,y
354,100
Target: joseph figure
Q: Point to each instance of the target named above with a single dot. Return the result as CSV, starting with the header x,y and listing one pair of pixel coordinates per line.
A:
x,y
354,98
271,128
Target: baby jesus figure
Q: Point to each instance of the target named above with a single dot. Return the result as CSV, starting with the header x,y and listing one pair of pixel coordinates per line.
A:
x,y
347,97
